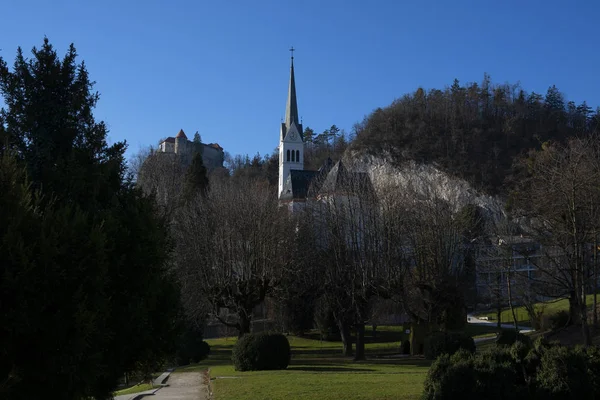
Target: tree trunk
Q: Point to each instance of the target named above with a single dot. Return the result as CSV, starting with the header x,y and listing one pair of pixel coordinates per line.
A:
x,y
360,341
510,303
595,284
498,303
585,329
574,308
346,337
243,325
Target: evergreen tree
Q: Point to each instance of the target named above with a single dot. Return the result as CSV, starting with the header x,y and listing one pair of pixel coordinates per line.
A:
x,y
85,294
474,132
196,179
308,135
197,138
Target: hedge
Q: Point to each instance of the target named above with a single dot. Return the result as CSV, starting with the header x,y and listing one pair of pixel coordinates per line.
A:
x,y
541,371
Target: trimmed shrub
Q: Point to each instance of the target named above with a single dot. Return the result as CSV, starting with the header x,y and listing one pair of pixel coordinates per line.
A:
x,y
261,351
541,371
560,320
181,359
439,343
191,348
200,352
508,337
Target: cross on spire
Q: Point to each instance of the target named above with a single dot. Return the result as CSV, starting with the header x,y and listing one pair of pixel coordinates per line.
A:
x,y
291,110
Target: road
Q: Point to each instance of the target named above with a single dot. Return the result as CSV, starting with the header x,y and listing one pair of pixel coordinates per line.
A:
x,y
471,319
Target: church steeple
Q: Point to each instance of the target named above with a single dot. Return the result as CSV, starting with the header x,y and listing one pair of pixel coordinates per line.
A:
x,y
291,139
291,109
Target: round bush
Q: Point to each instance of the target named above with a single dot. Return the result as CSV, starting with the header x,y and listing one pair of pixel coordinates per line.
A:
x,y
181,359
439,343
261,351
200,351
508,337
191,347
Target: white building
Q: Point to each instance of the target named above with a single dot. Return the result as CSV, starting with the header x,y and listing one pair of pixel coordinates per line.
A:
x,y
212,154
297,184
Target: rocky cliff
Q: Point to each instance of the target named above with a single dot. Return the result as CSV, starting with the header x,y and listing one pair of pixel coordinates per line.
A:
x,y
425,179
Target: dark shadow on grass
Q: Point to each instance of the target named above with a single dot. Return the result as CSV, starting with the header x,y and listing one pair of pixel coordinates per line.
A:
x,y
328,369
318,352
382,336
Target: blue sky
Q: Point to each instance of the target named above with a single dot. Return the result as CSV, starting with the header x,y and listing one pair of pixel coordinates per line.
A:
x,y
222,67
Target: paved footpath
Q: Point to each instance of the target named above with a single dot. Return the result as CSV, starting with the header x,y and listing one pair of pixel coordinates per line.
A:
x,y
180,386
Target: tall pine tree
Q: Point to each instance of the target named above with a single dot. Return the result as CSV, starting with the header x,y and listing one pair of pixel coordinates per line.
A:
x,y
196,179
85,294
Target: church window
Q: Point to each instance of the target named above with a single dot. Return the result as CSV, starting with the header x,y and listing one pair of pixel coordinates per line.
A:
x,y
288,155
297,155
293,156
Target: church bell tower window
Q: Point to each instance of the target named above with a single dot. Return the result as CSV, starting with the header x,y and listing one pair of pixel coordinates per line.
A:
x,y
288,155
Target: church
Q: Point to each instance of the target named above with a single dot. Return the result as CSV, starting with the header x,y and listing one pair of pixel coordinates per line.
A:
x,y
296,184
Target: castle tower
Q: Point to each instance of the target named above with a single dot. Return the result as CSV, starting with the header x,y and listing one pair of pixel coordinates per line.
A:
x,y
291,137
180,142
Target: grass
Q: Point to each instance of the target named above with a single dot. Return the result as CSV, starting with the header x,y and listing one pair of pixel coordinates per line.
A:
x,y
318,371
549,308
328,380
134,389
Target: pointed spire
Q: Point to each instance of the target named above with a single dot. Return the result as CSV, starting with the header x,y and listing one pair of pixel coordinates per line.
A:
x,y
291,109
181,134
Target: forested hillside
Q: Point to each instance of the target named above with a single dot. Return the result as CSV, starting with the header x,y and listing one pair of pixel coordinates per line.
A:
x,y
473,131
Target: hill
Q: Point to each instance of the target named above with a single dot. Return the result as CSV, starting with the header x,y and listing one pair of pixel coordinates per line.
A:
x,y
473,132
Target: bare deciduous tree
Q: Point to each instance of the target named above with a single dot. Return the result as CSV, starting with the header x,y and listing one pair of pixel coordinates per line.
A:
x,y
346,217
430,270
232,248
561,196
161,174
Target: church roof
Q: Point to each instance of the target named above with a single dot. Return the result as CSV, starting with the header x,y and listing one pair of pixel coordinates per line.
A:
x,y
181,134
297,184
340,179
320,177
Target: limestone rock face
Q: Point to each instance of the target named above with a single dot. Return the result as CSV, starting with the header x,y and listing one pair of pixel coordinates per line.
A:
x,y
426,180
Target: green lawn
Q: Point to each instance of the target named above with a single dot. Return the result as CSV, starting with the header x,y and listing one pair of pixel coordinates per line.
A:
x,y
325,379
549,308
318,371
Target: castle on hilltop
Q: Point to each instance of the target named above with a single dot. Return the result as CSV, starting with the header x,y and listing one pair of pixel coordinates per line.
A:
x,y
212,154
